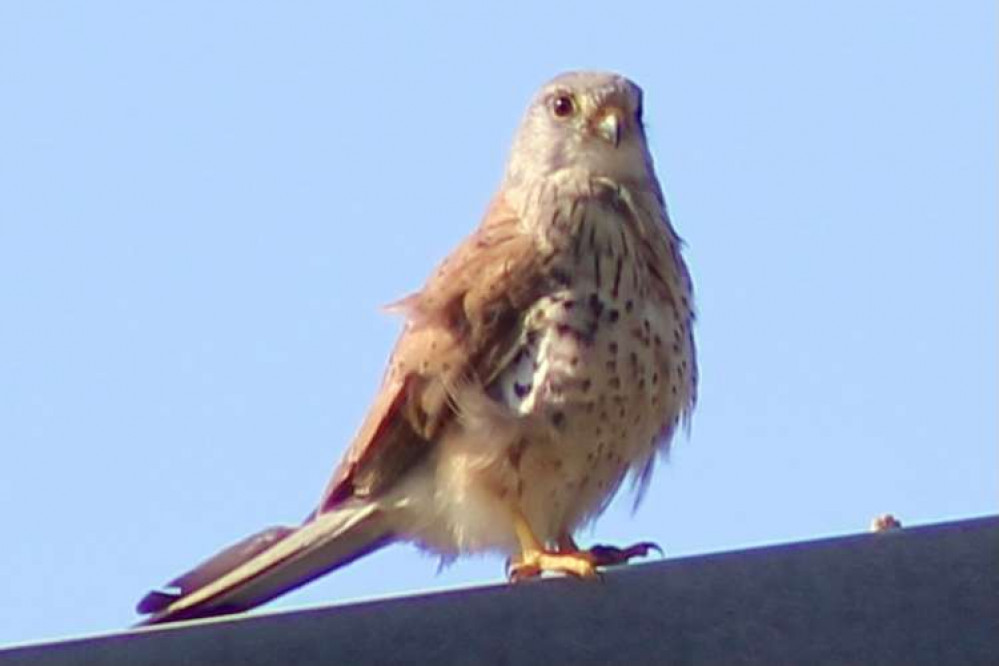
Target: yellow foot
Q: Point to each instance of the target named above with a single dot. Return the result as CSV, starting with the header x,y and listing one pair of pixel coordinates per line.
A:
x,y
533,563
567,558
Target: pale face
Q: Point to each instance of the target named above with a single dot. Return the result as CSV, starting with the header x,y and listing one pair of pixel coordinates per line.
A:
x,y
587,121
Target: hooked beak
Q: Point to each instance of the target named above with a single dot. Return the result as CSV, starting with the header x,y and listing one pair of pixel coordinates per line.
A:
x,y
609,127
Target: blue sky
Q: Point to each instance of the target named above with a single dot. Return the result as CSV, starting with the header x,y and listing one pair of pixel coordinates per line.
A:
x,y
204,205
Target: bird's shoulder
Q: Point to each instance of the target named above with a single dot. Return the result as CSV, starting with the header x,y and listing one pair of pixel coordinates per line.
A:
x,y
459,328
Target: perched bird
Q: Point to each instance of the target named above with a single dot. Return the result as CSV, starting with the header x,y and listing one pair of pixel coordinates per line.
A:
x,y
547,358
884,522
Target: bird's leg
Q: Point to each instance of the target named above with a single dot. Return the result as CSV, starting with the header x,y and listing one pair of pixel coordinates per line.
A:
x,y
535,559
605,556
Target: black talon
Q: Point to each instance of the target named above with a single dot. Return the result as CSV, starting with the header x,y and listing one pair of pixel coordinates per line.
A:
x,y
610,555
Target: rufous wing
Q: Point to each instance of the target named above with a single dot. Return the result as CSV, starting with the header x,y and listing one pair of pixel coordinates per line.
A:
x,y
461,327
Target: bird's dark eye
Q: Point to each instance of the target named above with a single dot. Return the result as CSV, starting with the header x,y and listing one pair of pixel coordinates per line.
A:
x,y
563,106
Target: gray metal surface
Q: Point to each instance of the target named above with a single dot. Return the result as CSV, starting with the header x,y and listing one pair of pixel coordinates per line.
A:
x,y
926,595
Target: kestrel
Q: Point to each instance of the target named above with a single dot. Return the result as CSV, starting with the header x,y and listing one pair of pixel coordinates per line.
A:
x,y
550,356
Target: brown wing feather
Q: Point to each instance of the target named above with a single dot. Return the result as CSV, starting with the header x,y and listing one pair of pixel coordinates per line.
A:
x,y
460,327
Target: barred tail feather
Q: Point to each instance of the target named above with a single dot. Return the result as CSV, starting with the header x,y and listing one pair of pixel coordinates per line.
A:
x,y
268,564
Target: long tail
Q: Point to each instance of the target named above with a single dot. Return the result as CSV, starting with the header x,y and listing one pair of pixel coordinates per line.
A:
x,y
268,564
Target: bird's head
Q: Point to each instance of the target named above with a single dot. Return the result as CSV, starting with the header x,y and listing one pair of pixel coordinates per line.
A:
x,y
590,122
